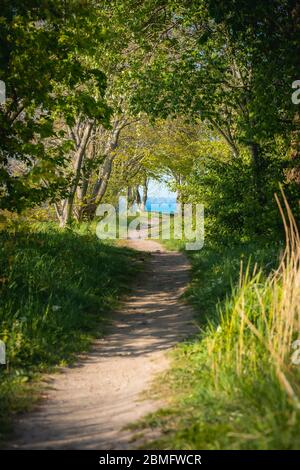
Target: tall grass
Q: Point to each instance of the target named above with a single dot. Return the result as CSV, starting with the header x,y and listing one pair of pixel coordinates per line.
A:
x,y
261,320
237,386
57,291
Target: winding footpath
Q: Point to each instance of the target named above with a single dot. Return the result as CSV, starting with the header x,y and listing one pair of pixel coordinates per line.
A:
x,y
89,405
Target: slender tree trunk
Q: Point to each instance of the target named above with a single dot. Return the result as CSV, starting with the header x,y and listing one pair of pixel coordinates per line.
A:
x,y
67,205
104,174
145,194
226,133
101,187
138,198
129,195
82,189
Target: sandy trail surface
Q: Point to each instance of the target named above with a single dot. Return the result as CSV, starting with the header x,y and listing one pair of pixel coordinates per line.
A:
x,y
89,405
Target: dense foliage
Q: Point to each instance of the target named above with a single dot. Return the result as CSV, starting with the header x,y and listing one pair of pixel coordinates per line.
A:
x,y
104,96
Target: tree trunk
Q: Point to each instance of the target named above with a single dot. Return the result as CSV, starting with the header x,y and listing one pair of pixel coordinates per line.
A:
x,y
145,194
227,134
82,189
66,212
104,178
138,198
101,183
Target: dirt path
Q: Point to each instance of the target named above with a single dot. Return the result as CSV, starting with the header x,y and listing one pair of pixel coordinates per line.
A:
x,y
89,405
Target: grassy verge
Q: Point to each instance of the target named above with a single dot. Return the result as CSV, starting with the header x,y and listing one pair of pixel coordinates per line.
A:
x,y
57,290
234,386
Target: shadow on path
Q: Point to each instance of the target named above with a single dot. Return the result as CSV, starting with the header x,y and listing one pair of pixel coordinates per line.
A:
x,y
89,405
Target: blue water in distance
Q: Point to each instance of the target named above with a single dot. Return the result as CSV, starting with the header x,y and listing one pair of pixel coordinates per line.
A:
x,y
165,205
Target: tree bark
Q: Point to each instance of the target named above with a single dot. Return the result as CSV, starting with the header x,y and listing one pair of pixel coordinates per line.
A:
x,y
66,211
226,133
145,194
104,173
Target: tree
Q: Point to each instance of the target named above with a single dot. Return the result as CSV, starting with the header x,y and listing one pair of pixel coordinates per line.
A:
x,y
271,30
41,61
218,63
119,57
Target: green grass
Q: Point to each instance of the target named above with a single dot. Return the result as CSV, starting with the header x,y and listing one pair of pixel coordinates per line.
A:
x,y
57,291
216,270
227,391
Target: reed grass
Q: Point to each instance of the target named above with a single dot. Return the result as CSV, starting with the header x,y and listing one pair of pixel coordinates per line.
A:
x,y
237,385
